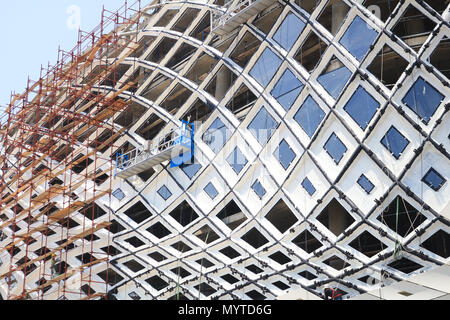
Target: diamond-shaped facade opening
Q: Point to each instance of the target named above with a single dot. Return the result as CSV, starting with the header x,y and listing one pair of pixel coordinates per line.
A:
x,y
394,142
423,99
186,19
263,126
216,135
161,50
181,56
388,66
307,275
287,89
205,289
336,263
405,265
362,107
138,212
333,15
202,30
311,51
133,265
265,21
438,243
413,27
280,258
284,154
255,295
229,252
158,230
442,50
176,98
254,269
358,38
309,116
237,160
184,214
201,68
335,148
206,234
367,244
110,276
265,67
92,211
198,111
245,49
334,77
366,184
255,238
181,272
307,242
181,246
289,31
158,257
135,242
241,102
232,215
281,216
259,189
230,279
204,263
164,192
401,217
157,283
433,179
335,217
151,127
281,285
166,18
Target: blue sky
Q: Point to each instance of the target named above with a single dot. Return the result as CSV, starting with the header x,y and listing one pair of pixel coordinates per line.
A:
x,y
31,32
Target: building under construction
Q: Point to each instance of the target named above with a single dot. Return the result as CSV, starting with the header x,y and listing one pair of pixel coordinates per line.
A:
x,y
242,149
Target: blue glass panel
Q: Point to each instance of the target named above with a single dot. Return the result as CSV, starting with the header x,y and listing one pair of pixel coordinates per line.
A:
x,y
211,190
263,126
217,135
237,160
309,116
287,89
164,193
191,169
284,154
433,179
266,66
259,189
423,99
335,148
362,107
289,31
334,81
308,186
119,194
358,38
395,142
365,184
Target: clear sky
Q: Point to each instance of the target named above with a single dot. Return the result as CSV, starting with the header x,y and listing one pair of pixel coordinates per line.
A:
x,y
31,31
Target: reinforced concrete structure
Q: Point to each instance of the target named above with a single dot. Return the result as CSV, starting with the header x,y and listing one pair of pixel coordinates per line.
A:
x,y
247,149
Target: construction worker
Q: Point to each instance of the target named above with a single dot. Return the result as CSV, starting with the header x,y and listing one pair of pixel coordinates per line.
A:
x,y
53,266
332,294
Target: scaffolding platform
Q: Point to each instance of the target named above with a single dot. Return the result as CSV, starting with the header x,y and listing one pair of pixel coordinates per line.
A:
x,y
178,141
237,12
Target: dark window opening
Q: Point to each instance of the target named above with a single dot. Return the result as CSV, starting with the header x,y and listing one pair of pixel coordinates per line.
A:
x,y
254,269
158,230
92,211
255,295
202,30
205,263
199,111
388,66
367,244
161,50
201,68
157,283
405,265
111,250
181,246
281,285
333,15
280,258
110,276
265,22
151,127
255,238
232,215
181,272
311,51
281,216
181,56
230,252
335,217
133,265
184,214
166,18
307,242
221,83
229,278
158,257
138,212
135,242
245,49
131,115
186,19
205,289
116,227
438,243
307,275
336,263
439,57
206,234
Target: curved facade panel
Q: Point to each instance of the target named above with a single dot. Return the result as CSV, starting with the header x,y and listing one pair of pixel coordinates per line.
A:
x,y
320,150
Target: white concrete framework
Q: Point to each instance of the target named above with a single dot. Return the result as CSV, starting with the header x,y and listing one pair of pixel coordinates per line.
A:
x,y
321,151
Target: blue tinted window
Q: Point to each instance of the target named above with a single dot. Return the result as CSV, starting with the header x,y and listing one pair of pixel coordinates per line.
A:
x,y
358,38
217,135
284,154
287,89
237,160
365,184
211,190
423,99
266,66
118,194
433,179
191,169
289,31
164,193
263,126
309,116
308,186
259,189
335,79
335,148
362,107
395,142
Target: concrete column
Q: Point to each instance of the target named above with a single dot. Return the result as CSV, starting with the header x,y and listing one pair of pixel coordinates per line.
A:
x,y
222,83
336,218
338,12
